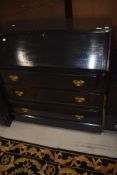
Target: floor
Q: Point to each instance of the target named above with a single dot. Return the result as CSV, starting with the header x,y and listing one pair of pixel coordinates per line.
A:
x,y
100,144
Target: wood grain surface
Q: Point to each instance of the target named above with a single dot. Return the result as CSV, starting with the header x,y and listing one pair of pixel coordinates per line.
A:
x,y
31,9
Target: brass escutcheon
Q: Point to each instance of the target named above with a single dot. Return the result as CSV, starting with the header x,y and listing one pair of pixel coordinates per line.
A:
x,y
79,99
78,83
79,117
24,109
19,93
13,77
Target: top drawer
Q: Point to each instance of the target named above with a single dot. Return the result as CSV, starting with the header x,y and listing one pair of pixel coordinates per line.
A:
x,y
71,49
54,80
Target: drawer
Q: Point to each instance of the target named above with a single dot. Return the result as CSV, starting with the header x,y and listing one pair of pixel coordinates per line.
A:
x,y
59,123
55,96
53,80
64,112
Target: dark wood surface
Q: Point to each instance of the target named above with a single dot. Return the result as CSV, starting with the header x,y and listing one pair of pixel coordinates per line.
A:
x,y
68,9
30,9
112,97
55,24
55,96
43,64
64,112
111,120
76,81
91,117
58,49
15,10
60,123
5,116
111,107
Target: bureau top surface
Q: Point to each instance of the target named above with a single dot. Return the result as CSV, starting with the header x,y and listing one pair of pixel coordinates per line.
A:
x,y
80,24
60,47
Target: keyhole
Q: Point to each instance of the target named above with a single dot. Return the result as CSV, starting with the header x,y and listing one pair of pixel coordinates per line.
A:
x,y
43,35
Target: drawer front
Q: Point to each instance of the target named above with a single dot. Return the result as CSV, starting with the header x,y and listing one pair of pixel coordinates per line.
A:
x,y
54,80
64,112
59,123
55,96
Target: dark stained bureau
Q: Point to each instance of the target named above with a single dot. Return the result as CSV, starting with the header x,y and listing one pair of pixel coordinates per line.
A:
x,y
56,75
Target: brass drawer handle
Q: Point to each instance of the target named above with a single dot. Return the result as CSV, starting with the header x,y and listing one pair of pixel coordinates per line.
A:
x,y
19,93
24,110
79,99
79,117
13,77
78,83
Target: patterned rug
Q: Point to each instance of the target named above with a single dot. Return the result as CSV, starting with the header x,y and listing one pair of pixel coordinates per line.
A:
x,y
21,158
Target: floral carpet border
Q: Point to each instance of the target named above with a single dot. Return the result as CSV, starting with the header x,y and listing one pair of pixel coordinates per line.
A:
x,y
22,158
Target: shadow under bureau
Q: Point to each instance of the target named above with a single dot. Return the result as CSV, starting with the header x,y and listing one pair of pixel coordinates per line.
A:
x,y
56,76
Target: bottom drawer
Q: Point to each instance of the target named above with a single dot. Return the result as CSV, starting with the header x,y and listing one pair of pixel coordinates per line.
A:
x,y
59,123
64,112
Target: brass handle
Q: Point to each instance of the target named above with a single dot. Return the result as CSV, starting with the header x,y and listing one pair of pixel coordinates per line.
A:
x,y
19,93
78,83
24,109
79,99
79,117
13,77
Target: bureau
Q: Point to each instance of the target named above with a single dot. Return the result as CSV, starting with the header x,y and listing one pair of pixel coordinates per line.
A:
x,y
56,76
